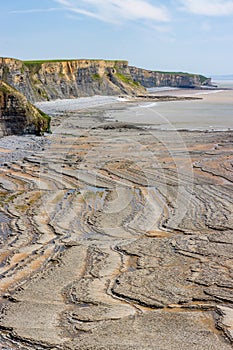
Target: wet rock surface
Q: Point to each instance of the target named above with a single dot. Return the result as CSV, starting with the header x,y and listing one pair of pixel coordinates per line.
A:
x,y
117,238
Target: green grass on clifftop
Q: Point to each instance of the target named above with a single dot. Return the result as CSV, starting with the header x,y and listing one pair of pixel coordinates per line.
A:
x,y
29,63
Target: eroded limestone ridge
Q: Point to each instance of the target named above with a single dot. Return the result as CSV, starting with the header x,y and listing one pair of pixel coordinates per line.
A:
x,y
118,238
17,115
48,80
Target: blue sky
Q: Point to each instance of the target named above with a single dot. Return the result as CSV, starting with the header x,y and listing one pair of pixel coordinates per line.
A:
x,y
173,35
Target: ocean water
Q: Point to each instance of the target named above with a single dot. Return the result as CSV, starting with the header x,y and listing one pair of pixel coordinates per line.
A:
x,y
224,83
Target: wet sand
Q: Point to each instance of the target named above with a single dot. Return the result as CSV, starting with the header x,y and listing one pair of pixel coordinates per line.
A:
x,y
212,111
118,237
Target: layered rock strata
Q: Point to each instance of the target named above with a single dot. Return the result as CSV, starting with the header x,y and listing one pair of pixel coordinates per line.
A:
x,y
118,238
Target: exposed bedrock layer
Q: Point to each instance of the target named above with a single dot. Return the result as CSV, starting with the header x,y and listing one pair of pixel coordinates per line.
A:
x,y
118,238
48,80
17,115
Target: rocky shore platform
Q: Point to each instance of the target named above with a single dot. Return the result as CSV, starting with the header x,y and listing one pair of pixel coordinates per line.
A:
x,y
116,238
162,98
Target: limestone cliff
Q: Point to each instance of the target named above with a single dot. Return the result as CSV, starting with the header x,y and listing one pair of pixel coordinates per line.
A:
x,y
49,80
17,115
150,79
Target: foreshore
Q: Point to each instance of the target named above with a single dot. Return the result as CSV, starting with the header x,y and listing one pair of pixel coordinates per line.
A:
x,y
116,236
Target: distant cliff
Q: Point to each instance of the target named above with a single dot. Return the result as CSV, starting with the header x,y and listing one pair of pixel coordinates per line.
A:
x,y
18,116
151,79
49,80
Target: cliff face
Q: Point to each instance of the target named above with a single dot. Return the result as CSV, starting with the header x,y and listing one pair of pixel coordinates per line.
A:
x,y
17,115
49,80
68,79
157,79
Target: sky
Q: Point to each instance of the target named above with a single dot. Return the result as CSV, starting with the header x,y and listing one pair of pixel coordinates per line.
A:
x,y
169,35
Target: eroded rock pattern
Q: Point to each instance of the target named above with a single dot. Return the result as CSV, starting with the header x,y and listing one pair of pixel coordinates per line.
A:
x,y
118,238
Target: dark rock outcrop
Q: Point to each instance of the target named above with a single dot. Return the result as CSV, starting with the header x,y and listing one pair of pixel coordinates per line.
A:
x,y
17,115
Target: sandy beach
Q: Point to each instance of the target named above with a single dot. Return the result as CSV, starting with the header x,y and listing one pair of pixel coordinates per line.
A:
x,y
117,235
211,111
215,96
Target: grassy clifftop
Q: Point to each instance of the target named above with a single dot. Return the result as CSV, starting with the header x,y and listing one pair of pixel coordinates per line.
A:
x,y
31,62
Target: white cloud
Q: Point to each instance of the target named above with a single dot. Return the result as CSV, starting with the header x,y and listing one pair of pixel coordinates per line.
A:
x,y
208,7
117,11
52,9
